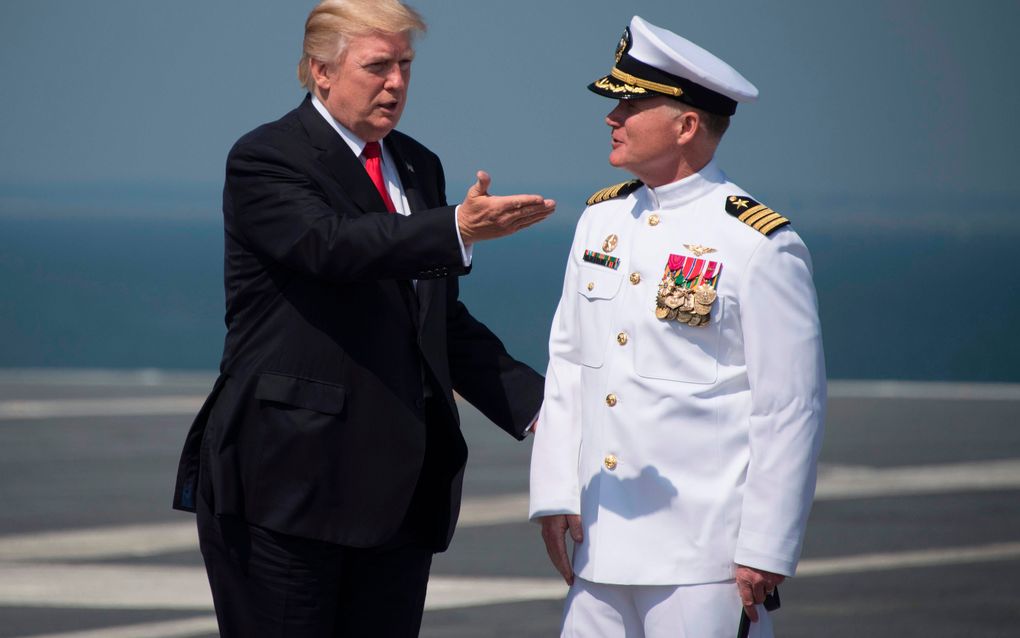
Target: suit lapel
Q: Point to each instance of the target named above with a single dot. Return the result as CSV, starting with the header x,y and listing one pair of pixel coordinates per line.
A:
x,y
339,160
426,289
349,172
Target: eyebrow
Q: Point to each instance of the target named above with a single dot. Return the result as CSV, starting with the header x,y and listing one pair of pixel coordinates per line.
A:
x,y
373,58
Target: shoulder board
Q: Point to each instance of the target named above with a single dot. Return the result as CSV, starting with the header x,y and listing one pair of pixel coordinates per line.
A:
x,y
618,190
758,216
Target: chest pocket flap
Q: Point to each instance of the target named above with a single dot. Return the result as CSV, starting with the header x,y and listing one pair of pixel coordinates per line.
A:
x,y
597,288
598,283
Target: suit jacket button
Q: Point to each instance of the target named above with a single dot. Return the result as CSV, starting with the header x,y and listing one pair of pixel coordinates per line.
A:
x,y
611,400
610,462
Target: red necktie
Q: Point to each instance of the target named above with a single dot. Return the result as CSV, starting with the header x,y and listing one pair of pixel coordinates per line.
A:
x,y
373,164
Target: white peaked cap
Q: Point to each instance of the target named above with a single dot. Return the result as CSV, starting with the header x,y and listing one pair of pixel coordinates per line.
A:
x,y
653,61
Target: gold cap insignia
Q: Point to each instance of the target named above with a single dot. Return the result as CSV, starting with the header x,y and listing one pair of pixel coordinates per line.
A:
x,y
621,48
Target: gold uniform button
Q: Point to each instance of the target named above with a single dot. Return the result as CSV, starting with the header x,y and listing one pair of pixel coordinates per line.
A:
x,y
653,220
622,338
635,278
610,462
591,286
611,400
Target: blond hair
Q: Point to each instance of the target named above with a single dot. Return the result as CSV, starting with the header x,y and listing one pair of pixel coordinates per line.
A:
x,y
332,24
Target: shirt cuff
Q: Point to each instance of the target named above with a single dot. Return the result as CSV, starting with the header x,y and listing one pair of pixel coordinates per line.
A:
x,y
466,252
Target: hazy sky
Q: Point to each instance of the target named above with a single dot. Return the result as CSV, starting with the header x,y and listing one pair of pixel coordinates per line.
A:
x,y
897,97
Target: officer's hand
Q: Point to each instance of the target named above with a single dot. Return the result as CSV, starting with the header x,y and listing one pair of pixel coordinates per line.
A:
x,y
753,584
554,529
483,216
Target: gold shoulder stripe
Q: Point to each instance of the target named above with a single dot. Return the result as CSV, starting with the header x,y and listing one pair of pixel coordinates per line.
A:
x,y
612,192
779,223
754,210
758,216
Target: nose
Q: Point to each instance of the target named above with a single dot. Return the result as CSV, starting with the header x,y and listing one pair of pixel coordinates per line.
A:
x,y
396,79
615,117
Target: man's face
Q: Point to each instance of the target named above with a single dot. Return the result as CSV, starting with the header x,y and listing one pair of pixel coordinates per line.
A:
x,y
367,87
644,135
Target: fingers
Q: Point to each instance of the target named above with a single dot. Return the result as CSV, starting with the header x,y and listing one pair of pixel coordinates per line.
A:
x,y
747,599
553,529
482,183
483,216
528,217
574,525
753,584
758,591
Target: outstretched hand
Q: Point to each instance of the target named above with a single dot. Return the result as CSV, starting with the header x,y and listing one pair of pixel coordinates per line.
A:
x,y
483,216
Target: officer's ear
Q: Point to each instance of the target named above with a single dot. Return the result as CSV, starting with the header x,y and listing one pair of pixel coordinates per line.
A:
x,y
687,125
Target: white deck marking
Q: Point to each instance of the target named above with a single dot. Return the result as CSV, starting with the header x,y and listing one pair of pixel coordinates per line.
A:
x,y
908,560
199,626
835,483
188,405
145,377
123,541
924,390
17,410
186,588
181,588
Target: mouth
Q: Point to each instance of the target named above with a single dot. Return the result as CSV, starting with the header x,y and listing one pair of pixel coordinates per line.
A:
x,y
389,107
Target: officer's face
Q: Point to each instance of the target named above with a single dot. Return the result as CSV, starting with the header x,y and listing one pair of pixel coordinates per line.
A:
x,y
644,136
366,89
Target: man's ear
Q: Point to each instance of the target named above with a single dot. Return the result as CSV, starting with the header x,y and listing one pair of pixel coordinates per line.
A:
x,y
687,126
320,74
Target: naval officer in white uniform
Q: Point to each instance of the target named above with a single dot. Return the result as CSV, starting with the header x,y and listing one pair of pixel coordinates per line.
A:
x,y
678,440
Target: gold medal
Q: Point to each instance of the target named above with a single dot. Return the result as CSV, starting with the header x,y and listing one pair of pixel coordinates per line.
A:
x,y
705,295
661,312
689,302
609,245
672,315
702,310
695,320
683,317
673,301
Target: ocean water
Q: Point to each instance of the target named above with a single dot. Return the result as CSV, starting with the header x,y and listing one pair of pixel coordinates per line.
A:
x,y
134,292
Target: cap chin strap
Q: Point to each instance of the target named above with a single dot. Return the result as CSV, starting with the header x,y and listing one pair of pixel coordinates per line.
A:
x,y
665,89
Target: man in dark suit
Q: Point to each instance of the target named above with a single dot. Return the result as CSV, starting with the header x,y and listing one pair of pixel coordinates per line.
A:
x,y
326,465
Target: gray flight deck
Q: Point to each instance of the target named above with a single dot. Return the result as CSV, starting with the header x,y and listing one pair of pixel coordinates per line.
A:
x,y
915,531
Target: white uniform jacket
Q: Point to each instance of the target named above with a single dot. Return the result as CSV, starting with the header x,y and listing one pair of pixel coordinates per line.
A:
x,y
705,455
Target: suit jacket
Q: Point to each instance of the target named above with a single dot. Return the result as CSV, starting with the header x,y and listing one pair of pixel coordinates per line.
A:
x,y
316,426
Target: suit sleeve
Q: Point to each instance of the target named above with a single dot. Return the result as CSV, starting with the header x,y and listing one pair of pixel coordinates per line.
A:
x,y
280,213
786,373
555,487
504,389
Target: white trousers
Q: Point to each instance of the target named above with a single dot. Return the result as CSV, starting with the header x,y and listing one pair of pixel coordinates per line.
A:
x,y
711,610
